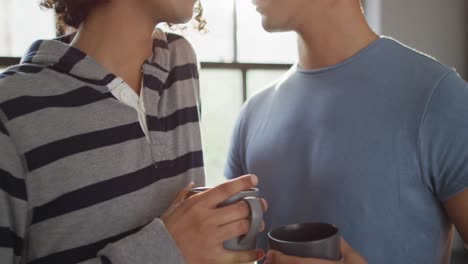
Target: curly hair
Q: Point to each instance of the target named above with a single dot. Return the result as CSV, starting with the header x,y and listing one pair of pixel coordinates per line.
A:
x,y
73,12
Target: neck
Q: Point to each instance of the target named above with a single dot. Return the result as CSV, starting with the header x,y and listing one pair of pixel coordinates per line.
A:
x,y
340,33
118,37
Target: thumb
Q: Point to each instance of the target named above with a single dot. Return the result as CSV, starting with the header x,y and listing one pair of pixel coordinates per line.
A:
x,y
180,197
182,194
349,254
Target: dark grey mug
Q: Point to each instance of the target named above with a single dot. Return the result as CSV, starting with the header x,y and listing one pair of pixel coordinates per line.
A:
x,y
308,240
248,241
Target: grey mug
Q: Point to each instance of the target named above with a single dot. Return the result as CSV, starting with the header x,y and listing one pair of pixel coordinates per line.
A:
x,y
307,240
248,241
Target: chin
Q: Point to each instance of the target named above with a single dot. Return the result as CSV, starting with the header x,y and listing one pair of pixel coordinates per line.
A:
x,y
274,26
182,18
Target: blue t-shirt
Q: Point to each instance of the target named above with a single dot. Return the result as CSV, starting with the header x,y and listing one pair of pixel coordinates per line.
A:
x,y
374,145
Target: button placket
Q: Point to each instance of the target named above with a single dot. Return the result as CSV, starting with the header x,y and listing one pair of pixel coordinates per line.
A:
x,y
158,140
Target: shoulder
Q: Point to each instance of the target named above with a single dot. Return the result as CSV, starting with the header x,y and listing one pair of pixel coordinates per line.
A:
x,y
261,100
177,46
28,86
23,79
413,61
450,92
257,107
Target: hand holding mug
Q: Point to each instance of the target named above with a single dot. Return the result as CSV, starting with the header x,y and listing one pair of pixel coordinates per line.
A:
x,y
200,227
245,198
349,256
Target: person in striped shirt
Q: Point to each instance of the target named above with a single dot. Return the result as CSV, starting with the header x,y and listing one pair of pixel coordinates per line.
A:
x,y
100,143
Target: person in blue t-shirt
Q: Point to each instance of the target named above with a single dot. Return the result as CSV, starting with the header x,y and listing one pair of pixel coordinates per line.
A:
x,y
364,133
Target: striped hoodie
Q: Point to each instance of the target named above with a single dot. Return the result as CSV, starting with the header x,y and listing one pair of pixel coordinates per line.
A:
x,y
79,180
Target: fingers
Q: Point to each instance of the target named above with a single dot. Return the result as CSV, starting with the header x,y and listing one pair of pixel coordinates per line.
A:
x,y
264,204
262,227
236,229
182,194
222,192
232,213
276,257
244,256
235,212
180,197
349,254
345,247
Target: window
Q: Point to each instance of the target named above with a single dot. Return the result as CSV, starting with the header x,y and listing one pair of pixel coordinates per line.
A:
x,y
233,66
221,96
256,45
15,34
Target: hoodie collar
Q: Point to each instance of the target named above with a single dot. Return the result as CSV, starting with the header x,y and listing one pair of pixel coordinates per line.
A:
x,y
58,55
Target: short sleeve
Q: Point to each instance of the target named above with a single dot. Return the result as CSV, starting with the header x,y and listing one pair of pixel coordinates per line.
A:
x,y
444,138
235,165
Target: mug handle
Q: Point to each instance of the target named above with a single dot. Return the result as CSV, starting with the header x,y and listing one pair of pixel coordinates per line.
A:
x,y
256,218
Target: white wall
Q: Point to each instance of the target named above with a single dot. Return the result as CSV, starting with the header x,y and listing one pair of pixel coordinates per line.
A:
x,y
436,27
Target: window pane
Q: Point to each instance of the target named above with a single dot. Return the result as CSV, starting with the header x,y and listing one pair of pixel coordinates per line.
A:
x,y
217,44
221,100
256,45
21,23
258,80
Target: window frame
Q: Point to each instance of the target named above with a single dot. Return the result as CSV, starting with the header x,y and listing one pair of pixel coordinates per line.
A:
x,y
8,61
244,68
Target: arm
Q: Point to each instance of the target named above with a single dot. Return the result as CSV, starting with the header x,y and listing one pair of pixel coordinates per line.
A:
x,y
234,166
171,241
444,140
153,242
150,244
457,210
13,201
199,219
